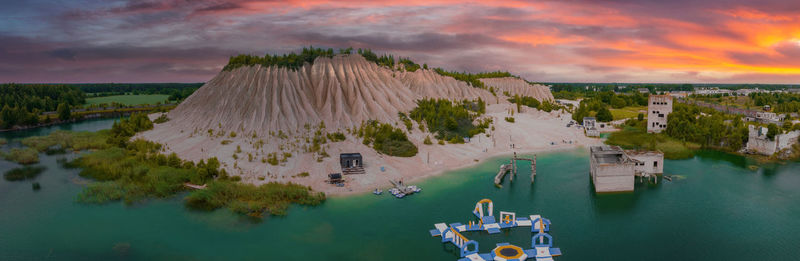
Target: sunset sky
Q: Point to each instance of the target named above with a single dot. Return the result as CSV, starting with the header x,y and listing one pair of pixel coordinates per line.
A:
x,y
710,41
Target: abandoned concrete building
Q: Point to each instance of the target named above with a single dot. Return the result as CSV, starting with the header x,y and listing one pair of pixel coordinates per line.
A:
x,y
647,163
613,169
758,142
590,128
658,108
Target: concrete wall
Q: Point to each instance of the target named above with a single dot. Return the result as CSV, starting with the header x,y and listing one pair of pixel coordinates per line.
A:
x,y
759,143
653,163
658,108
612,177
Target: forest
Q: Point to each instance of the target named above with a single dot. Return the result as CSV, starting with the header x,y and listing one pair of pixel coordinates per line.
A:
x,y
780,102
22,103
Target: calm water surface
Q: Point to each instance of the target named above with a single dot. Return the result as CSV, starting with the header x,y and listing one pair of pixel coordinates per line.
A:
x,y
716,209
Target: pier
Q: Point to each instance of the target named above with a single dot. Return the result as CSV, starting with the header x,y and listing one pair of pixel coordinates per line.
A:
x,y
512,168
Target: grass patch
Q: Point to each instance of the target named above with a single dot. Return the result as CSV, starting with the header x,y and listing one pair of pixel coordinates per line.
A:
x,y
140,99
272,198
638,138
627,112
23,156
68,140
27,172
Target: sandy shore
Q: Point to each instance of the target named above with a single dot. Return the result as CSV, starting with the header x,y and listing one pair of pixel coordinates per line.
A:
x,y
533,131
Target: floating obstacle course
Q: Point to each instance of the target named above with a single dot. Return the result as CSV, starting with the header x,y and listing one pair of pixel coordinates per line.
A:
x,y
541,242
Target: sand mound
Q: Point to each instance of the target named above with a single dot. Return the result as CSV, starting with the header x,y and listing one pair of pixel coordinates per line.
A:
x,y
519,86
427,83
343,91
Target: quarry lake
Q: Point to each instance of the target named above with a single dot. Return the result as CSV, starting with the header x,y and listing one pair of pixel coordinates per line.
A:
x,y
714,209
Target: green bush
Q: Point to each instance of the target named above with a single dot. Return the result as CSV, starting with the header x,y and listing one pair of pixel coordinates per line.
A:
x,y
387,139
427,140
23,156
448,120
161,119
336,136
510,119
27,172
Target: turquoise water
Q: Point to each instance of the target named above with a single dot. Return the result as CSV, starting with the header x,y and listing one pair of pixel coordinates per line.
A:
x,y
716,210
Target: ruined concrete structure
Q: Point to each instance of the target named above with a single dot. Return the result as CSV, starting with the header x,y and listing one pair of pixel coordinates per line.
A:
x,y
658,108
646,163
759,143
613,169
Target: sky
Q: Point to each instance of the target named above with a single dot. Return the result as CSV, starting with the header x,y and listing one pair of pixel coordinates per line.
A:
x,y
672,41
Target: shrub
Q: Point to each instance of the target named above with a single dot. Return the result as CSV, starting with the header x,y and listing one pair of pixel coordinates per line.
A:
x,y
387,139
510,119
161,119
448,120
23,173
336,136
427,140
23,156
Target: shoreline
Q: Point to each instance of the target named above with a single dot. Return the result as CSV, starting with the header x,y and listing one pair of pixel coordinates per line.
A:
x,y
534,131
442,172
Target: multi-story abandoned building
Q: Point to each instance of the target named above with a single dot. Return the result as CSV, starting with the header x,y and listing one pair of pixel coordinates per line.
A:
x,y
658,108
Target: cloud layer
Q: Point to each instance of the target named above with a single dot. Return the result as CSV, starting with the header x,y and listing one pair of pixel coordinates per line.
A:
x,y
726,41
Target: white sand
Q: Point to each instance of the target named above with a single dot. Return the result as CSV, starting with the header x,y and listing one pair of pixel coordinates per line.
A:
x,y
533,131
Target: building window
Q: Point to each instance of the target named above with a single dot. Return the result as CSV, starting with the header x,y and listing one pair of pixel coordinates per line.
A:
x,y
655,164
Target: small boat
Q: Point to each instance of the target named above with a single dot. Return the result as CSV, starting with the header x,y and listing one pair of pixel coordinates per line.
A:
x,y
377,192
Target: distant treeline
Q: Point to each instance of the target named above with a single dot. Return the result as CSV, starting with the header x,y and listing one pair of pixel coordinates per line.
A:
x,y
22,103
176,91
656,87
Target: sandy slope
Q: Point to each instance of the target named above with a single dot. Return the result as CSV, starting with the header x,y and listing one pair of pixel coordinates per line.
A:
x,y
519,86
343,91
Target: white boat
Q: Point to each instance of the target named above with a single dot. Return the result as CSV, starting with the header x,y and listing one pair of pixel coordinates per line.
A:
x,y
377,192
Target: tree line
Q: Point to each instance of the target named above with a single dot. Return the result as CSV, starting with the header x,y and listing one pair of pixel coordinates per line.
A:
x,y
22,103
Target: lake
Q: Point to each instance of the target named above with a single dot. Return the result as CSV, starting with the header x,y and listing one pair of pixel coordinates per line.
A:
x,y
715,209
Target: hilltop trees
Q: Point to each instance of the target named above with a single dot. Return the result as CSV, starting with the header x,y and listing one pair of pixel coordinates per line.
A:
x,y
292,61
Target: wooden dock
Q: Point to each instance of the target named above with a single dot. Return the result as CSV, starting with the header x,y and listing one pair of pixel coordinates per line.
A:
x,y
505,168
512,168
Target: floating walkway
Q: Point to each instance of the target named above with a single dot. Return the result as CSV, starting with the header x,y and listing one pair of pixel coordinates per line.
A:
x,y
541,242
400,190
